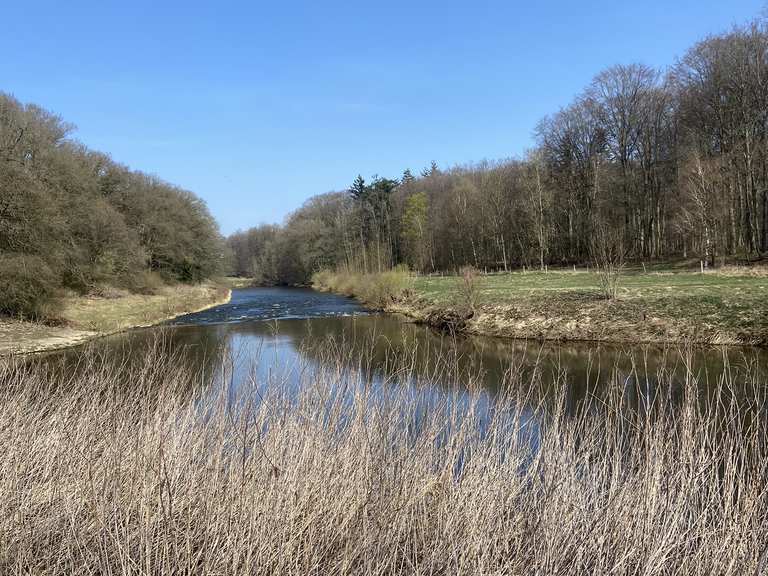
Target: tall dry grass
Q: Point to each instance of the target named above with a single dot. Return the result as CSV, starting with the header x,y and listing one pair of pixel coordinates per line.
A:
x,y
143,468
376,289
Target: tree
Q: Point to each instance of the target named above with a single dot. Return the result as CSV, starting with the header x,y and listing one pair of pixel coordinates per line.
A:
x,y
702,182
86,221
358,188
433,170
414,231
660,164
539,202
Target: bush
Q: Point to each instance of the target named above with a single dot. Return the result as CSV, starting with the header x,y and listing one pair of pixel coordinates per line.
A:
x,y
322,279
469,287
377,290
28,287
607,251
144,282
380,290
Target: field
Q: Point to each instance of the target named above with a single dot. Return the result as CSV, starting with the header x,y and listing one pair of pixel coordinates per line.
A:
x,y
86,317
728,307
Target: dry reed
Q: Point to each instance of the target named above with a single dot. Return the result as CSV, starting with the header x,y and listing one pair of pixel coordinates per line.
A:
x,y
144,468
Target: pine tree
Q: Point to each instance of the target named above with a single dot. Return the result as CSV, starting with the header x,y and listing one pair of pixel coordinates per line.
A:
x,y
358,188
433,170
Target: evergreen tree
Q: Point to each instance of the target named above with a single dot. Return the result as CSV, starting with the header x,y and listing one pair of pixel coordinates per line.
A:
x,y
433,170
358,189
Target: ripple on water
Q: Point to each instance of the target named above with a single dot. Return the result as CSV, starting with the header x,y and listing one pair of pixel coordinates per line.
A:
x,y
266,304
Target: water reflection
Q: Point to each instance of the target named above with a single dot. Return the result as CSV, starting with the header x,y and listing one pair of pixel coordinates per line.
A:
x,y
522,388
235,346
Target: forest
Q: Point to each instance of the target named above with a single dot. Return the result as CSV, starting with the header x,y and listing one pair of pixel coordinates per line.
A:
x,y
72,219
655,164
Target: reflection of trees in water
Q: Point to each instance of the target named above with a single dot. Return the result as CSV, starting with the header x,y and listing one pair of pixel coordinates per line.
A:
x,y
188,359
640,372
528,391
385,350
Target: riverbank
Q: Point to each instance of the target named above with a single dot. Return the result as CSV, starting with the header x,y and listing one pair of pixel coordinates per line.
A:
x,y
84,318
729,307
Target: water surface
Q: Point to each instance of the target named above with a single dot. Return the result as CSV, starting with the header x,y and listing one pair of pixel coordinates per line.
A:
x,y
268,334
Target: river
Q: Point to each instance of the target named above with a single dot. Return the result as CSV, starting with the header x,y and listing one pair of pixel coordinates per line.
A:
x,y
268,334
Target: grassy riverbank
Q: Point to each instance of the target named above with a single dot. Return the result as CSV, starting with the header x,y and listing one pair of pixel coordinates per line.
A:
x,y
167,475
86,317
728,307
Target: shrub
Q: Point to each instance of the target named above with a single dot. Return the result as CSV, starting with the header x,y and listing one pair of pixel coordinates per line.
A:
x,y
377,290
145,282
607,250
383,288
28,287
321,278
469,287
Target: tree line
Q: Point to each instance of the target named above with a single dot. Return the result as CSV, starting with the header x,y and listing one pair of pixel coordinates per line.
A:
x,y
665,164
72,218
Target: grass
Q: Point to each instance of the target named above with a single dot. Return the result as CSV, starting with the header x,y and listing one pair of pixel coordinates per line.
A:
x,y
378,290
85,317
129,310
171,474
721,308
505,288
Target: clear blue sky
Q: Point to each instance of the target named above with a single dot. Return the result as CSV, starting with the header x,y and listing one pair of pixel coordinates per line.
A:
x,y
256,106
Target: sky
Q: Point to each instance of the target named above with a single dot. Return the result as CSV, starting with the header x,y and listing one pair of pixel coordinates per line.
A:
x,y
256,106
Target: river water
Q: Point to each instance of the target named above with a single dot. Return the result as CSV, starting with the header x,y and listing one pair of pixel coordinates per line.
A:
x,y
268,334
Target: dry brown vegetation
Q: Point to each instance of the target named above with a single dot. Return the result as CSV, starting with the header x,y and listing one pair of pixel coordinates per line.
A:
x,y
468,287
143,468
85,317
377,290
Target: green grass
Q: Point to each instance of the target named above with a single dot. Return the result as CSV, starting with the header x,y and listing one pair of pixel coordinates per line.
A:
x,y
654,306
499,288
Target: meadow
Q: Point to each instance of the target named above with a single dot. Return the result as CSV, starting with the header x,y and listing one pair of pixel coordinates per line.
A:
x,y
657,305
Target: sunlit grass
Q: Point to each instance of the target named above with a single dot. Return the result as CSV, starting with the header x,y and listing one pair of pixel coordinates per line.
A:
x,y
129,310
501,287
710,307
85,317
